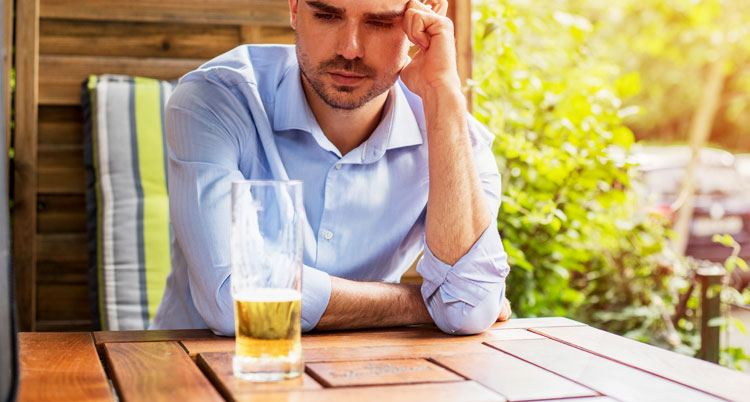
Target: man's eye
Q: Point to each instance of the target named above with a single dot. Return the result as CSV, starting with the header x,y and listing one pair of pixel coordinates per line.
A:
x,y
324,16
381,24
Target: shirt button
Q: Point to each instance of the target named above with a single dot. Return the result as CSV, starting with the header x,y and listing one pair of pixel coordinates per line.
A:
x,y
338,166
328,235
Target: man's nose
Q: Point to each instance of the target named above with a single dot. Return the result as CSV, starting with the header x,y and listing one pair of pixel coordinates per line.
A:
x,y
350,43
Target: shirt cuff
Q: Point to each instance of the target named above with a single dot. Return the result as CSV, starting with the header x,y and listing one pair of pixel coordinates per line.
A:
x,y
316,293
472,277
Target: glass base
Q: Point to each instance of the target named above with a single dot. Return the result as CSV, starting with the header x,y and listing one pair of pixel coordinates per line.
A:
x,y
266,369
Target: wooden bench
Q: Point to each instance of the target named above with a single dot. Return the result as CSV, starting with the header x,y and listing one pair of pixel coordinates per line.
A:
x,y
58,44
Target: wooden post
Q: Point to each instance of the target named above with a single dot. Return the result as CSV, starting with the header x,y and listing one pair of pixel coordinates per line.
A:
x,y
7,64
25,161
710,308
460,12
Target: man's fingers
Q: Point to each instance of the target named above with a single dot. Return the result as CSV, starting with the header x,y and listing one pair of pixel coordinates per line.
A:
x,y
440,7
505,311
416,28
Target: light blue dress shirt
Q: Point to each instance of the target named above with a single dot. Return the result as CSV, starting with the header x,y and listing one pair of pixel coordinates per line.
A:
x,y
243,115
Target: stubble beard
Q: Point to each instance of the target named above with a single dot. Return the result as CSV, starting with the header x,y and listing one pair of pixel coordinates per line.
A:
x,y
339,96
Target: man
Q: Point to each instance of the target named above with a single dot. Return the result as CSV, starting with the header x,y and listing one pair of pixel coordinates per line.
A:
x,y
332,112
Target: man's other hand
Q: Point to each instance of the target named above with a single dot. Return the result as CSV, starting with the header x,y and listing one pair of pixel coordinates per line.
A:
x,y
505,311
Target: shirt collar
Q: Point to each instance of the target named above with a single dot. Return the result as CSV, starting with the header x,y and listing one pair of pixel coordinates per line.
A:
x,y
397,128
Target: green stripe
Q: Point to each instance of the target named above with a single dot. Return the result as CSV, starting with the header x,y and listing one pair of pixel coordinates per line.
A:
x,y
148,120
91,85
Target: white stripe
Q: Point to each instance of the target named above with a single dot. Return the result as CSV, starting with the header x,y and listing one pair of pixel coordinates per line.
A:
x,y
107,210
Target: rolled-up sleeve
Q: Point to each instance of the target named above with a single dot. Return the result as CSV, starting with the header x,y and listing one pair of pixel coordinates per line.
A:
x,y
465,298
210,135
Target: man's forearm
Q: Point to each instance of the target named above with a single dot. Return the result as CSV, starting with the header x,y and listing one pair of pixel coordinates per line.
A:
x,y
457,212
372,304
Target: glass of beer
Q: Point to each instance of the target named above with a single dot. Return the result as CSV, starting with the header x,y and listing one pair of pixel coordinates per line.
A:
x,y
266,244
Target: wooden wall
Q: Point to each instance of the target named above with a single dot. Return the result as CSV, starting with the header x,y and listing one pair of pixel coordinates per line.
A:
x,y
58,44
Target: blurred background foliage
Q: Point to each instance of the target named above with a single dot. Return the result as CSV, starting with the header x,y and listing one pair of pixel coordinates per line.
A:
x,y
569,85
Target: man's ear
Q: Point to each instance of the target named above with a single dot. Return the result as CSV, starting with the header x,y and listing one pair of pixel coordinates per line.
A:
x,y
293,13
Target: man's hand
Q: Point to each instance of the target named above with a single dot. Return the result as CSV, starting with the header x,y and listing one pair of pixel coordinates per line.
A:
x,y
434,65
505,311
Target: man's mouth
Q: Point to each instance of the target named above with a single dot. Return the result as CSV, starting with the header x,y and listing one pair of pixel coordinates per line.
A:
x,y
346,78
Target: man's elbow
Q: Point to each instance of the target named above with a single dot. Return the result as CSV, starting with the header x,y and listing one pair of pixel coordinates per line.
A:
x,y
459,318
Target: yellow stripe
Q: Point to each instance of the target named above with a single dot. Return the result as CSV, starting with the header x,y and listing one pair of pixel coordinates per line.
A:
x,y
148,111
91,86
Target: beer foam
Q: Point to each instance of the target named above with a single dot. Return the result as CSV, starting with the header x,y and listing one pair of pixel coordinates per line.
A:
x,y
268,295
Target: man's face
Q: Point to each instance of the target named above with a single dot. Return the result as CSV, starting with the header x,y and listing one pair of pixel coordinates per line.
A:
x,y
349,51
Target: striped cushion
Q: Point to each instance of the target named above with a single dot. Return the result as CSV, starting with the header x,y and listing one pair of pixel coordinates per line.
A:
x,y
126,198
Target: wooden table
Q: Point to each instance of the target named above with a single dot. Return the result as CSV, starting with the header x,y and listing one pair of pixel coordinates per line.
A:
x,y
520,360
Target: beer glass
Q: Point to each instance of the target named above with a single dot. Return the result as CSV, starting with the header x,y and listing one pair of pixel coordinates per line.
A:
x,y
266,244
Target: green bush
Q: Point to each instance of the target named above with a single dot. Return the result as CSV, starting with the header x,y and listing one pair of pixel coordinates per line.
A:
x,y
578,238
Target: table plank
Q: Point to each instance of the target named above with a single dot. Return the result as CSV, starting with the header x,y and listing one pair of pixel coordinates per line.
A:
x,y
379,372
154,335
351,342
415,351
525,323
603,375
709,377
411,336
61,367
513,378
316,354
218,368
153,371
434,392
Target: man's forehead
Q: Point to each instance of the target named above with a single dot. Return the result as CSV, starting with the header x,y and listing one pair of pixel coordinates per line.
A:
x,y
360,6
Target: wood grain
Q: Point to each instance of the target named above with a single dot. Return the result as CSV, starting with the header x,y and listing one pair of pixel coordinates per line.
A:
x,y
60,125
217,12
62,248
156,371
218,369
683,369
66,301
24,209
101,337
61,367
513,378
603,375
460,12
435,392
379,372
525,323
62,213
312,352
60,77
409,351
410,336
135,39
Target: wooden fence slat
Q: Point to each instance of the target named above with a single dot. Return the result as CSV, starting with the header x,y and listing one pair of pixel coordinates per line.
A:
x,y
60,125
63,301
61,76
135,39
24,207
217,12
587,368
218,368
61,214
141,371
61,367
513,378
679,368
62,248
